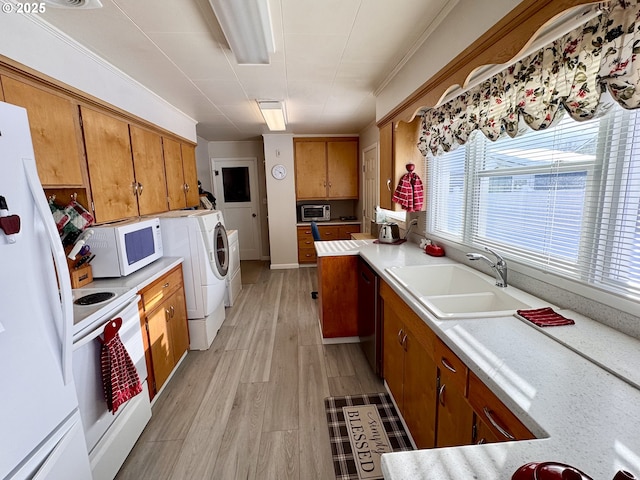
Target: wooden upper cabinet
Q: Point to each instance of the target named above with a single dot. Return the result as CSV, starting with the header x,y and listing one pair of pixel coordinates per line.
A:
x,y
386,166
55,131
326,168
190,174
342,169
182,176
398,146
175,175
110,166
148,164
311,169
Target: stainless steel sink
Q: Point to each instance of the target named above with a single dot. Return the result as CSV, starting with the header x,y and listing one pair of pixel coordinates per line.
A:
x,y
454,291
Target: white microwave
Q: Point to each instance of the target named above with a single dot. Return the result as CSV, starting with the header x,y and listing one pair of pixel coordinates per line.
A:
x,y
315,213
121,248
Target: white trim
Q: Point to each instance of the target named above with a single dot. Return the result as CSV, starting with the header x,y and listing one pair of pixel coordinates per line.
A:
x,y
284,266
102,63
442,14
338,340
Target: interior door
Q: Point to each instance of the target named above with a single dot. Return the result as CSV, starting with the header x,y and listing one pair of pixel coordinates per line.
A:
x,y
236,192
369,187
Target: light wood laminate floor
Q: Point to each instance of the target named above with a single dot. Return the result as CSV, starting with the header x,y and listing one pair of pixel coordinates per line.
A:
x,y
252,406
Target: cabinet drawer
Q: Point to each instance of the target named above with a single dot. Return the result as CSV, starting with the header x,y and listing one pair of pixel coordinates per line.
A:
x,y
497,417
329,232
305,242
305,233
307,255
453,371
347,230
155,293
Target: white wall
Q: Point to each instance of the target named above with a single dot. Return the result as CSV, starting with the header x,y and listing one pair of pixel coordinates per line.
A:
x,y
468,20
281,202
230,150
42,48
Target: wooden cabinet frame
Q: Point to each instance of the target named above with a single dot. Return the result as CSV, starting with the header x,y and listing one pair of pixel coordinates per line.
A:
x,y
326,168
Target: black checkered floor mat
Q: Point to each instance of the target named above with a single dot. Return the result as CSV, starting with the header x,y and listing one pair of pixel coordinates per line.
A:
x,y
343,462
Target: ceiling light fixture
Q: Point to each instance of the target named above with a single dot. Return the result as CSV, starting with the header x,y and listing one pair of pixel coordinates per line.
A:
x,y
247,27
274,115
85,4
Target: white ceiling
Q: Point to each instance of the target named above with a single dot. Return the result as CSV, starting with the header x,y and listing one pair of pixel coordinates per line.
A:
x,y
331,56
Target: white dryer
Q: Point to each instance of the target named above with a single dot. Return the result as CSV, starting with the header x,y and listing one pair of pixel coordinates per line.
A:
x,y
200,238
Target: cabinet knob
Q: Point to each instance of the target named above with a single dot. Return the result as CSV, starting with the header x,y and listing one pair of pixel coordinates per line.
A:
x,y
166,285
389,184
173,311
140,187
441,394
134,188
167,315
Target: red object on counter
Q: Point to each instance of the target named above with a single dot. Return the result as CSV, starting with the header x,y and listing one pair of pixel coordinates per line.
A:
x,y
434,250
549,471
545,317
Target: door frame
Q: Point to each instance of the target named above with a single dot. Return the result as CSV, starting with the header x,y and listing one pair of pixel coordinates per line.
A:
x,y
366,150
254,181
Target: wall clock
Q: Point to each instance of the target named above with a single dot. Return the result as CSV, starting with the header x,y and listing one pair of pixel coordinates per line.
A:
x,y
279,172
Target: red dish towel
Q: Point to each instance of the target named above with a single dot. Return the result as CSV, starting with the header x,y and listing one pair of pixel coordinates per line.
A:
x,y
409,192
545,317
119,375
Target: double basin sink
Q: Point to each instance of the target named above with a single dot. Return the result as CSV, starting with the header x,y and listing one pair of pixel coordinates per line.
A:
x,y
453,291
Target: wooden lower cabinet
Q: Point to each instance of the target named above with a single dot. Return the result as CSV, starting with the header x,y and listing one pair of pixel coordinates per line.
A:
x,y
306,250
408,367
165,327
338,295
493,421
455,416
442,402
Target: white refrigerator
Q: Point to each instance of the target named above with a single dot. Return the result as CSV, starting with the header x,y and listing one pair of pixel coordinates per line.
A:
x,y
41,435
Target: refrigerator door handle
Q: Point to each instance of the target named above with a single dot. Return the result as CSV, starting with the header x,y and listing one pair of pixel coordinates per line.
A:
x,y
62,270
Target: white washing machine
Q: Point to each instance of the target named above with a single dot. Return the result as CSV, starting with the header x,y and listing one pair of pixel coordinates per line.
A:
x,y
234,278
200,238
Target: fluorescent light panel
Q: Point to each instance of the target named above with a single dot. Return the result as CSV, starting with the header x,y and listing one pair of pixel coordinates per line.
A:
x,y
274,115
246,24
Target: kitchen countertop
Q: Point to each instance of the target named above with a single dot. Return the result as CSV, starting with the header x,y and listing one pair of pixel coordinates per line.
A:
x,y
333,221
140,279
584,411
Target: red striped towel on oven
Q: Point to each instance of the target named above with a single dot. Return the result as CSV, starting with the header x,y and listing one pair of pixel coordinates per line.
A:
x,y
409,193
545,317
119,375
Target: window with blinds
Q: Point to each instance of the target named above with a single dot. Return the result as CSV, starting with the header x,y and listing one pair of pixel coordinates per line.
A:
x,y
565,199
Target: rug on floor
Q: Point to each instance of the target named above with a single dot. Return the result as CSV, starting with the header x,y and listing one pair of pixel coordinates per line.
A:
x,y
251,270
344,460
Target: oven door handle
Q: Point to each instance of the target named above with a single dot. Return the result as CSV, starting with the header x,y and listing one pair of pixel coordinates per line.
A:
x,y
65,315
99,329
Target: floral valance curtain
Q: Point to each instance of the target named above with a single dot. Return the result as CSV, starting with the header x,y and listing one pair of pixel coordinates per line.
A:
x,y
568,75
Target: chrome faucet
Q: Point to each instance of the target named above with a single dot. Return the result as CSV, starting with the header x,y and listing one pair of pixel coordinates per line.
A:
x,y
500,267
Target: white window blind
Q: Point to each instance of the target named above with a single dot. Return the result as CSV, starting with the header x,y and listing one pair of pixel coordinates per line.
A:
x,y
565,199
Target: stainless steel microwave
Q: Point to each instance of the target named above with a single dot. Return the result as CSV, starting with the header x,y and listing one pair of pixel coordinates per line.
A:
x,y
315,213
